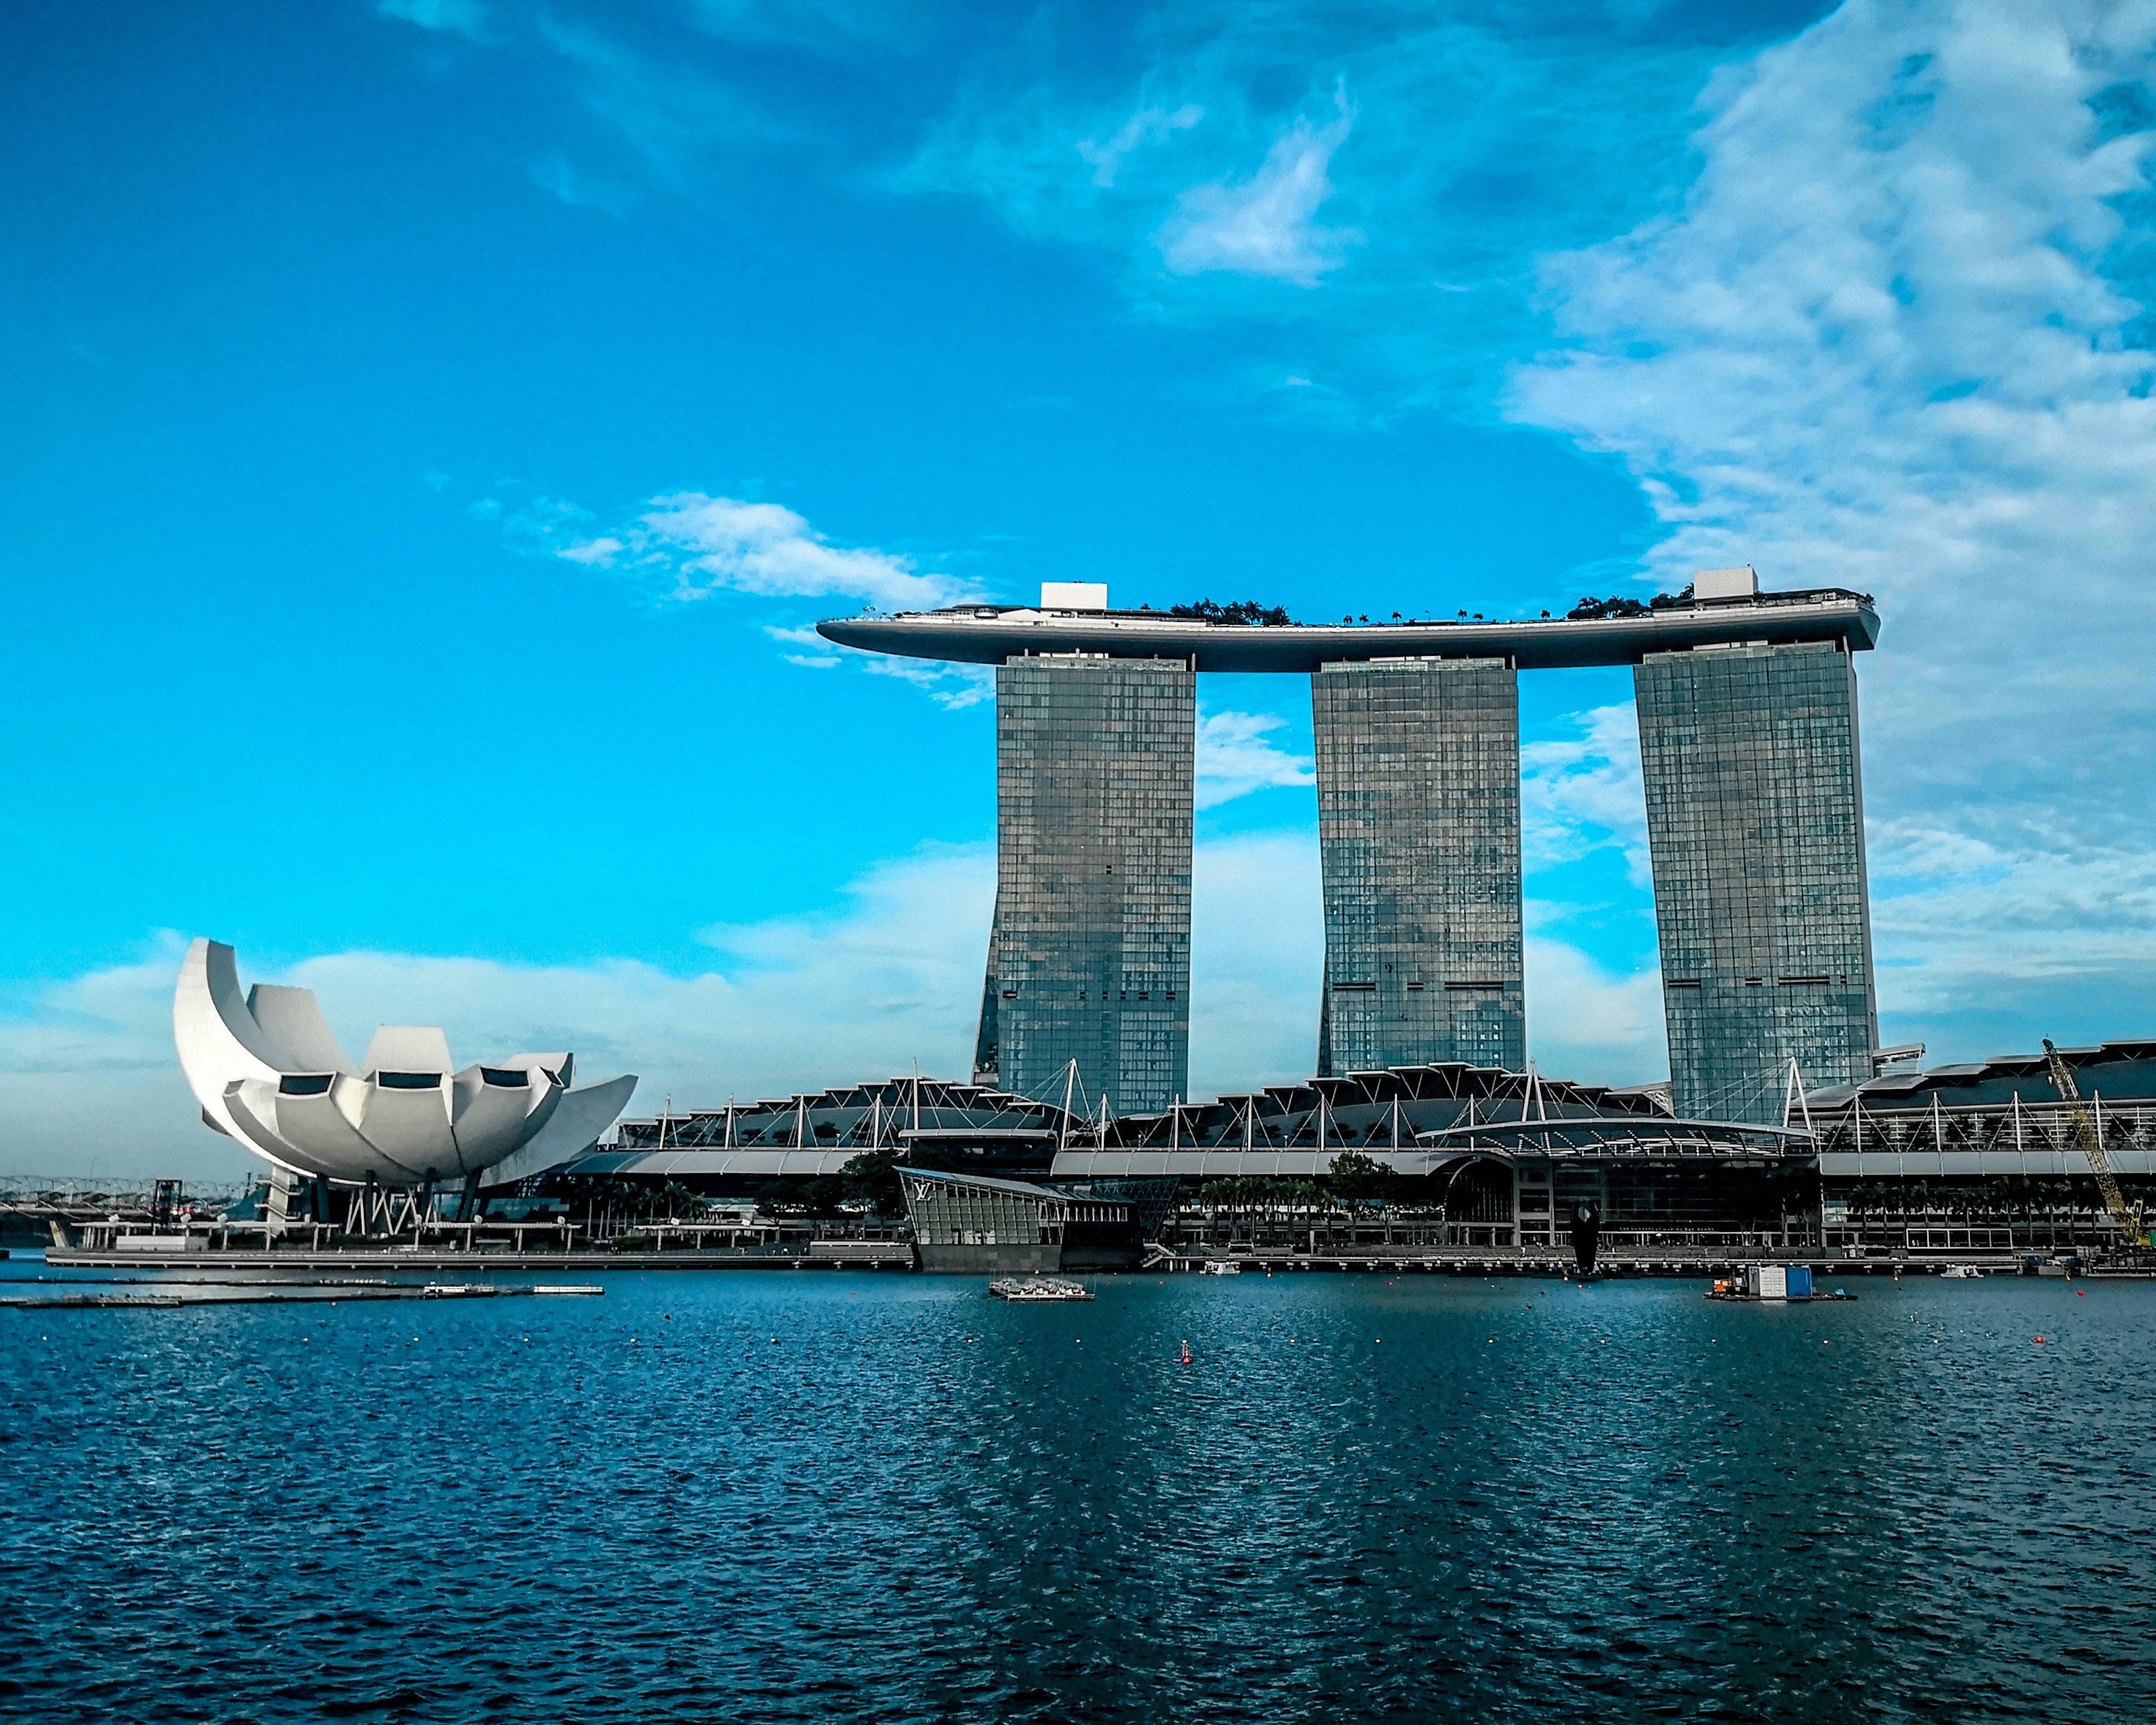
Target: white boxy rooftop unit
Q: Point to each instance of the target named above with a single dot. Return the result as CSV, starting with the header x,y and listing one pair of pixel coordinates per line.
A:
x,y
1726,584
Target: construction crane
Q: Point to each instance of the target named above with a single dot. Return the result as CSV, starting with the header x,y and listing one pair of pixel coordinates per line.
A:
x,y
2128,1220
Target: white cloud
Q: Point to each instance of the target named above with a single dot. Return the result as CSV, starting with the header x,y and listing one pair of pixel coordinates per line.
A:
x,y
1955,915
821,26
1588,1022
1235,756
1580,794
669,113
690,546
1884,344
820,655
1264,225
888,975
952,686
556,174
1149,126
457,17
1477,144
1257,953
695,545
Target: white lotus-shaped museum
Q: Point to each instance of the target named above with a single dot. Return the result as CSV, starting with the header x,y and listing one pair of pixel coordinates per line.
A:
x,y
268,1072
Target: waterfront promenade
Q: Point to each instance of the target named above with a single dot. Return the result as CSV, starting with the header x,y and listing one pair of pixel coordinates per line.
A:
x,y
1656,1259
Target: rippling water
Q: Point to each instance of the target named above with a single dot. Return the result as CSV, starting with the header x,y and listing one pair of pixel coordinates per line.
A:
x,y
773,1496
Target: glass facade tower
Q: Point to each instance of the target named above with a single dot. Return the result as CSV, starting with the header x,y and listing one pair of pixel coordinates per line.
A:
x,y
1418,834
1089,956
1755,821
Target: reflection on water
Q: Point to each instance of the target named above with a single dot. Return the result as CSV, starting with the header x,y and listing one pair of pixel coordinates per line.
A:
x,y
761,1495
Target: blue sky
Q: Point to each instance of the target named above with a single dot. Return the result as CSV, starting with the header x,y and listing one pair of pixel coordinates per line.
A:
x,y
431,425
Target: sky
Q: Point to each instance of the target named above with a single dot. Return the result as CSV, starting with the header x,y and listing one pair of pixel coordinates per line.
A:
x,y
432,430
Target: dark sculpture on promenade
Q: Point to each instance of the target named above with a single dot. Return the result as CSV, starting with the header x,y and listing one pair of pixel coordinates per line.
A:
x,y
1586,1235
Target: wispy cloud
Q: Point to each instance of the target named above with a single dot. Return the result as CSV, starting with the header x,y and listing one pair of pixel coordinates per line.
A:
x,y
669,111
532,520
1264,225
1236,756
692,545
554,173
816,654
1148,125
952,687
820,26
1891,341
454,18
689,546
1476,145
1582,794
1588,1022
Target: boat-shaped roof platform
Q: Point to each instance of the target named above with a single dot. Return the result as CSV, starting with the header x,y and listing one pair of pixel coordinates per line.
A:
x,y
988,634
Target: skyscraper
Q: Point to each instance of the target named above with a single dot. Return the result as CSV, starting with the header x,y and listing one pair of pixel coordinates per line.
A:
x,y
1755,821
1747,723
1089,958
1418,834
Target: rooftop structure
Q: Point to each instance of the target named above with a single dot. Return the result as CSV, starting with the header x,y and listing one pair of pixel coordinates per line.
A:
x,y
1416,1120
990,634
1411,1118
2119,1071
1989,1118
816,1133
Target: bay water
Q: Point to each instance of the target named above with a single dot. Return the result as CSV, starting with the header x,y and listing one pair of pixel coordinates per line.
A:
x,y
810,1496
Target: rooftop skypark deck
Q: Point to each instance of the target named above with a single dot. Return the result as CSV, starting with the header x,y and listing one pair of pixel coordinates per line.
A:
x,y
990,634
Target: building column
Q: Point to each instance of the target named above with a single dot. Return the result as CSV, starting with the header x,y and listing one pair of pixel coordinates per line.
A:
x,y
1089,956
1418,835
1755,821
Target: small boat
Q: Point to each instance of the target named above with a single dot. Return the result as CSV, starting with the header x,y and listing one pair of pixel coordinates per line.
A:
x,y
1774,1283
1037,1287
1961,1270
1221,1267
582,1287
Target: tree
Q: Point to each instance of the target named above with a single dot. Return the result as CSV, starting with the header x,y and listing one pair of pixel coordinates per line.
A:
x,y
872,1179
1356,1179
1244,611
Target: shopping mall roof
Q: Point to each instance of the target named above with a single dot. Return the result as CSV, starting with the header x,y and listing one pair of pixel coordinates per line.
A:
x,y
2119,1071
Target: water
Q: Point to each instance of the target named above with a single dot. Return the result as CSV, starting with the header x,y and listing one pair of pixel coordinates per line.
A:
x,y
812,1495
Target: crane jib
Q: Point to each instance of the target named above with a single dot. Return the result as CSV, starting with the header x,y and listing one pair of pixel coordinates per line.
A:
x,y
2128,1218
